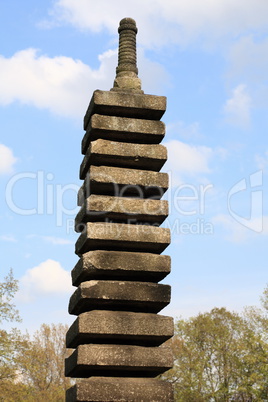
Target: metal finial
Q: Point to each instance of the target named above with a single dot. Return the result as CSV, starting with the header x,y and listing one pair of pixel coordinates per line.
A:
x,y
126,71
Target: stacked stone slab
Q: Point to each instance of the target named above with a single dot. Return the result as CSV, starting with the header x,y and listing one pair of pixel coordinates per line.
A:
x,y
118,336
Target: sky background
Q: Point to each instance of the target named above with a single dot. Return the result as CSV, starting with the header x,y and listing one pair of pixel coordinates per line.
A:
x,y
210,58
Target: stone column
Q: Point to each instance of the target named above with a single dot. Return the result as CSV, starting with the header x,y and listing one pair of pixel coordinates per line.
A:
x,y
118,335
126,71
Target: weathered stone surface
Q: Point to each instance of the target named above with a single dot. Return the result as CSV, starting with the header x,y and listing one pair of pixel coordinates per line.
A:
x,y
101,326
123,129
122,265
121,209
118,360
127,84
121,182
118,332
126,72
119,154
143,297
110,103
116,389
121,237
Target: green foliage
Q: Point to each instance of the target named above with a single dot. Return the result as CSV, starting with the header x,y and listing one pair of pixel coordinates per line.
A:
x,y
12,342
221,356
31,368
34,369
41,364
264,299
8,288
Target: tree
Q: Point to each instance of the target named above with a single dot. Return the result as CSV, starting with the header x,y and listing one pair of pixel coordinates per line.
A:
x,y
256,365
41,364
11,343
264,300
219,356
31,368
8,288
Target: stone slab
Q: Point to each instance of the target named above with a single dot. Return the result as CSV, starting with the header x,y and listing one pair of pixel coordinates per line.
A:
x,y
120,182
117,389
150,107
122,265
118,360
123,129
98,208
119,327
145,297
122,237
120,154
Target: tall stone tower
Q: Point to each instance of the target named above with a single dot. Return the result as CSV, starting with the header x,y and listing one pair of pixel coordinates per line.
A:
x,y
118,334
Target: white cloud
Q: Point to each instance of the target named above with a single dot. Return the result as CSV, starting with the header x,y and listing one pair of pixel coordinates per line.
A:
x,y
248,62
57,241
262,161
49,277
248,59
9,238
265,225
234,232
187,160
7,159
61,84
152,74
237,233
237,108
166,21
182,130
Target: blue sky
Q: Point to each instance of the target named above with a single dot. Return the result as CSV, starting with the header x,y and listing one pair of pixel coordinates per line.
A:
x,y
210,60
